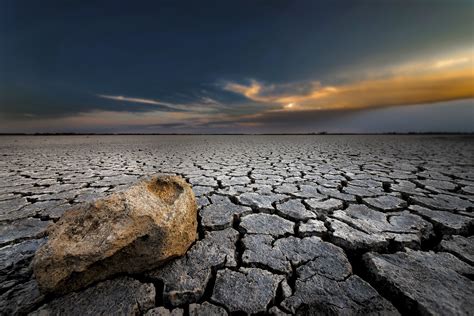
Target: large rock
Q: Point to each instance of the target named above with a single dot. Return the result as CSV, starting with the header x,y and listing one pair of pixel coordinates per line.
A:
x,y
138,229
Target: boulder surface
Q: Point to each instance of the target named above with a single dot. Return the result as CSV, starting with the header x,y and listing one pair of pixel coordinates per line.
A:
x,y
131,231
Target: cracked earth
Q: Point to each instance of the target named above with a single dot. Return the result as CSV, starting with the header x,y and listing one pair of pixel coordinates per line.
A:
x,y
336,225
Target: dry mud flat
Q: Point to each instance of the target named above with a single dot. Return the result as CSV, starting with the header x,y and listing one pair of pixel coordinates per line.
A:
x,y
287,224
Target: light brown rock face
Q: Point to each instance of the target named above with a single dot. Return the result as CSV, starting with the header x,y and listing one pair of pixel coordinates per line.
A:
x,y
127,232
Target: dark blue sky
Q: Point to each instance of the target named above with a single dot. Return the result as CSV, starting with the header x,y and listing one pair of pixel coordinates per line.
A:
x,y
223,66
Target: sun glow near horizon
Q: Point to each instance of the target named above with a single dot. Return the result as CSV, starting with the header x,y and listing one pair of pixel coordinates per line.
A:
x,y
447,79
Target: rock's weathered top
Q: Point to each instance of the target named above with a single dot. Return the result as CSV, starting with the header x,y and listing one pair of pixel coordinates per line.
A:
x,y
131,231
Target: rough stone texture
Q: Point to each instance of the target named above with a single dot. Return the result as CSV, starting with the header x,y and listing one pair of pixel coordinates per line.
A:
x,y
22,229
324,207
222,213
320,295
281,175
15,262
294,210
371,229
275,311
259,251
446,222
279,255
162,311
443,202
326,286
123,296
261,201
186,278
21,298
312,227
130,231
423,282
255,289
266,224
206,309
461,247
386,203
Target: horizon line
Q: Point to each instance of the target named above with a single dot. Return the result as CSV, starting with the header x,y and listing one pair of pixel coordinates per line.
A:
x,y
230,134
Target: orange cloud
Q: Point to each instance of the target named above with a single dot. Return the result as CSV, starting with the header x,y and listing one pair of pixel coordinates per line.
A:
x,y
442,80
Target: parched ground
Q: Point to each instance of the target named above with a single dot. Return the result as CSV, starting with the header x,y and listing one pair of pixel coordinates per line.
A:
x,y
287,224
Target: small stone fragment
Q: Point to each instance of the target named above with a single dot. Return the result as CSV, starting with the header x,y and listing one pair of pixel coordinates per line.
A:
x,y
281,254
442,202
27,228
286,290
334,193
12,209
438,184
461,247
259,250
275,311
185,279
424,282
20,299
326,286
266,224
370,229
15,262
313,227
363,191
309,191
162,311
256,289
122,296
295,210
221,214
206,309
350,238
386,203
260,201
447,222
286,188
325,207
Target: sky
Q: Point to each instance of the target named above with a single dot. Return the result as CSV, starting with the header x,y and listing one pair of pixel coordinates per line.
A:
x,y
236,66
